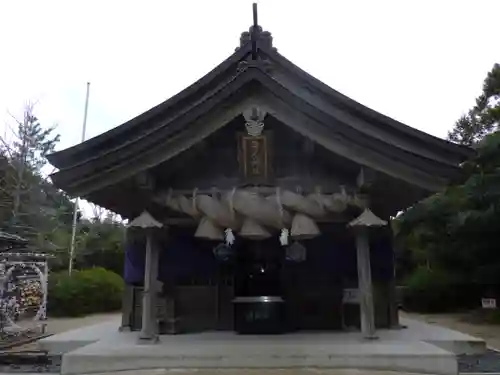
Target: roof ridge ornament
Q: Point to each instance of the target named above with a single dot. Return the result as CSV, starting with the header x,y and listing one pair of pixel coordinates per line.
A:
x,y
256,35
258,39
255,30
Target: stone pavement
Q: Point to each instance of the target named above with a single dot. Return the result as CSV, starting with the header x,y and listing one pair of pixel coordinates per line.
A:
x,y
245,372
257,372
491,333
488,332
60,325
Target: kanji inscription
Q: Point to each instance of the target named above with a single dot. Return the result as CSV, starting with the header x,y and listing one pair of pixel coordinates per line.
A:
x,y
254,157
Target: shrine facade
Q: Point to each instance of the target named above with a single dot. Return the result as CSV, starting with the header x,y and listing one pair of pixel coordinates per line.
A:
x,y
259,200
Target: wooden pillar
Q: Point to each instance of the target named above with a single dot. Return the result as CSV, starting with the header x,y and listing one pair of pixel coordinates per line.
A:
x,y
393,293
393,296
365,283
393,305
155,287
173,321
127,307
128,294
362,224
148,331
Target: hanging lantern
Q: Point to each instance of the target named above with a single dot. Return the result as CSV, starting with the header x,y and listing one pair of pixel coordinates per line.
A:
x,y
285,233
208,230
303,227
223,252
253,230
296,252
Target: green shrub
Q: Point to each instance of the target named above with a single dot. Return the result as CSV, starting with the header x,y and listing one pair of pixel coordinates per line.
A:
x,y
85,292
431,291
110,258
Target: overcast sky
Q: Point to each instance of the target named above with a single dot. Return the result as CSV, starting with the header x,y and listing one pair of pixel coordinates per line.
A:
x,y
420,62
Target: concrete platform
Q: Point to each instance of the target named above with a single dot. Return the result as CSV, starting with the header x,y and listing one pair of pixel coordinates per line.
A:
x,y
445,338
420,348
216,351
301,371
76,338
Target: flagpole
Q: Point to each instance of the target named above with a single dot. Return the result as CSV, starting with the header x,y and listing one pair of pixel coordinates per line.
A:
x,y
75,208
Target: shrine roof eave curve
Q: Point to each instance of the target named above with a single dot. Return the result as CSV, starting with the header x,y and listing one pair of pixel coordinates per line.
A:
x,y
335,116
380,119
134,128
131,128
162,144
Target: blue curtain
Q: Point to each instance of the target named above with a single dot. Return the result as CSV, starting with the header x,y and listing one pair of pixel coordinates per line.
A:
x,y
134,262
331,255
182,256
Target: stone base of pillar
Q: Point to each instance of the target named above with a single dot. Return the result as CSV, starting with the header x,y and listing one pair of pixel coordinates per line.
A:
x,y
173,326
127,306
395,324
125,329
143,340
399,326
393,305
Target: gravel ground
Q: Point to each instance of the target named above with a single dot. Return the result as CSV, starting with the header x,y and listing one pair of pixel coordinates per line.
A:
x,y
488,362
53,365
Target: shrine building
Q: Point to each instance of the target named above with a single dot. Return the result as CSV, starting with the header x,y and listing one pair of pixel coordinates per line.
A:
x,y
259,200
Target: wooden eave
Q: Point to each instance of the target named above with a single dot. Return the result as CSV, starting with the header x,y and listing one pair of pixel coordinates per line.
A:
x,y
150,120
340,115
330,118
339,100
164,138
165,129
157,147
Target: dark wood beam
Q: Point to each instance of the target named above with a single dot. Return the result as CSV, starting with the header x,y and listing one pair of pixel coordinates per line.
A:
x,y
308,147
145,181
365,179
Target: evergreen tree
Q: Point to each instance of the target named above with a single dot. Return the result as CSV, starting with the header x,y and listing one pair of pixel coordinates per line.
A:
x,y
26,193
32,207
451,238
484,117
